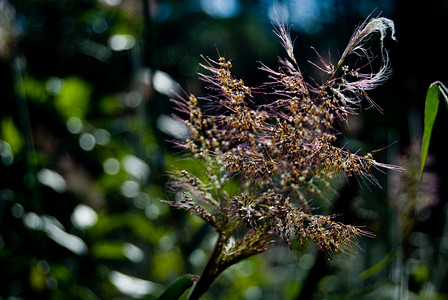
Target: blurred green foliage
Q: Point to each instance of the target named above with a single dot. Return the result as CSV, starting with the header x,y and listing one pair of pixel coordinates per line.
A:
x,y
83,156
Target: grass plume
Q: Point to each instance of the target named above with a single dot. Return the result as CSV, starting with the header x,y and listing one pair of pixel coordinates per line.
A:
x,y
283,153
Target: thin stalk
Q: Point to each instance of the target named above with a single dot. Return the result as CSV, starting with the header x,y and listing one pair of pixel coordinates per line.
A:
x,y
222,258
18,67
212,270
329,81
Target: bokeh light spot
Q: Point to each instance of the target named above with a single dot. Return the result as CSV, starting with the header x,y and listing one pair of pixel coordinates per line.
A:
x,y
111,166
74,125
221,8
52,179
121,42
84,217
87,141
130,189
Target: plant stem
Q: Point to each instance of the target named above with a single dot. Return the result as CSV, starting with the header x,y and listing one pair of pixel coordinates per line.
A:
x,y
215,266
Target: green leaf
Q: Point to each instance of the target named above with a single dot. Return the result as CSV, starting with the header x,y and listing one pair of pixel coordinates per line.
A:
x,y
381,265
73,99
139,225
431,108
11,134
112,250
177,288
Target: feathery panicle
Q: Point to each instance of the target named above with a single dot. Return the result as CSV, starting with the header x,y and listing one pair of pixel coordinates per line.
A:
x,y
283,33
282,153
362,34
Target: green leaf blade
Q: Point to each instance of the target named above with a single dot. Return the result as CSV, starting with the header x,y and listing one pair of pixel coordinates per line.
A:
x,y
381,265
177,288
431,108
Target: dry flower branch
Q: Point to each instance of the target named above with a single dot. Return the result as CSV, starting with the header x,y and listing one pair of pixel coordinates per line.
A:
x,y
283,153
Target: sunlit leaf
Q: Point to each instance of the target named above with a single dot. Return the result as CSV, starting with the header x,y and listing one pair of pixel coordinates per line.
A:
x,y
11,134
33,90
109,105
108,250
73,98
38,276
138,224
167,262
431,108
421,272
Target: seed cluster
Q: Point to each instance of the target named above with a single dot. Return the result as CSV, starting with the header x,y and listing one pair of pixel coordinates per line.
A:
x,y
283,153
